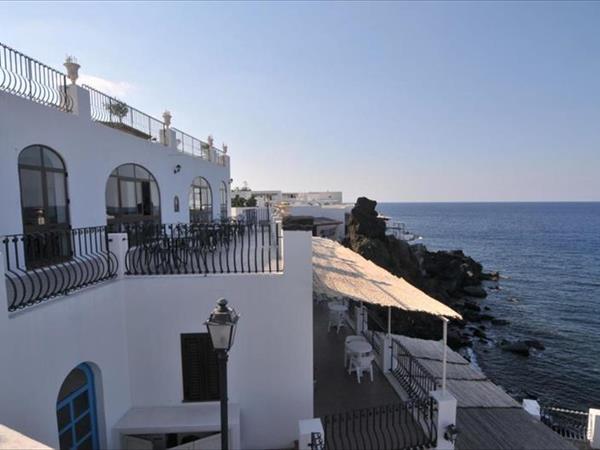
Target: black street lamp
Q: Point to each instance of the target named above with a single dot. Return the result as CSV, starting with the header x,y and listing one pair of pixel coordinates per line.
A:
x,y
221,326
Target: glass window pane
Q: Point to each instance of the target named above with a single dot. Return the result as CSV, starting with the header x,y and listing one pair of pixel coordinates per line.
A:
x,y
31,156
126,170
57,198
51,159
83,427
112,196
75,380
66,440
128,203
142,173
81,404
86,445
64,416
32,199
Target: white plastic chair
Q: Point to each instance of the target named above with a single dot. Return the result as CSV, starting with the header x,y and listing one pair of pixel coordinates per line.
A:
x,y
336,319
360,364
348,353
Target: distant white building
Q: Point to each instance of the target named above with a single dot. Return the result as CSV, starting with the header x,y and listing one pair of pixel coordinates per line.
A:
x,y
275,197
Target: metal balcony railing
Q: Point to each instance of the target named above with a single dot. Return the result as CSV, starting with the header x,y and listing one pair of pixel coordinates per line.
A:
x,y
400,426
40,266
414,378
26,77
200,149
569,423
156,249
117,114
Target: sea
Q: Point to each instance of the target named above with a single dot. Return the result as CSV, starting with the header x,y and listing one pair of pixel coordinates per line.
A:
x,y
548,255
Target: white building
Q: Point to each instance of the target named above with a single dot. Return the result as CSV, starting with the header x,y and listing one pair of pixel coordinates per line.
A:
x,y
275,197
103,332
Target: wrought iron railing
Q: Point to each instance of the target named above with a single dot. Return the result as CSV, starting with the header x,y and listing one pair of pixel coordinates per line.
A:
x,y
196,147
569,423
26,77
416,380
40,266
409,425
316,441
117,114
203,248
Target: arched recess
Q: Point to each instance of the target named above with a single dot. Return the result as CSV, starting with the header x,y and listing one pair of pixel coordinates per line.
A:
x,y
200,201
132,196
44,206
76,410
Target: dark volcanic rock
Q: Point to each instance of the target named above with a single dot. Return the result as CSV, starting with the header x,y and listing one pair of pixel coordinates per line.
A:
x,y
448,276
538,345
492,276
472,306
475,291
364,220
518,347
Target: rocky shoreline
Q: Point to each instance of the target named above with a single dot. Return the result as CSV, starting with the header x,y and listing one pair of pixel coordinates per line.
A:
x,y
451,277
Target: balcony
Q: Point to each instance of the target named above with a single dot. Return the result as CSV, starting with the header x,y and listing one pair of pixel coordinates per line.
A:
x,y
28,78
41,266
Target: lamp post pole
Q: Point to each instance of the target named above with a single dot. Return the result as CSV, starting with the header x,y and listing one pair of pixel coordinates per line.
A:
x,y
223,357
221,326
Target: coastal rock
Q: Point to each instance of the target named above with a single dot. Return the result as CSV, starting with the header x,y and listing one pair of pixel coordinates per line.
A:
x,y
518,347
472,306
364,220
491,276
534,343
475,291
479,333
447,276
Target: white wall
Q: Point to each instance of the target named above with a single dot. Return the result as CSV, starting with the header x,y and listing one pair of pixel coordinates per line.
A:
x,y
91,151
130,329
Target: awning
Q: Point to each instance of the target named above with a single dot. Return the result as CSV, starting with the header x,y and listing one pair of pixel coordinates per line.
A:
x,y
340,272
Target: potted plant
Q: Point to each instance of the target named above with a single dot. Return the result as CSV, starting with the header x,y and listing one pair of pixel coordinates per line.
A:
x,y
118,109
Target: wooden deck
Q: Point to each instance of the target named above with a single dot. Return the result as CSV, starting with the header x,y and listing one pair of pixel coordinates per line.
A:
x,y
487,417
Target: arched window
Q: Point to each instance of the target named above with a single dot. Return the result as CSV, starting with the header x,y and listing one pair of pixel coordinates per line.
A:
x,y
200,201
43,179
44,206
76,410
223,196
132,196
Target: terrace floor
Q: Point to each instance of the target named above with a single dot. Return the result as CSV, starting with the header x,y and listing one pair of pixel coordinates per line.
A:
x,y
335,390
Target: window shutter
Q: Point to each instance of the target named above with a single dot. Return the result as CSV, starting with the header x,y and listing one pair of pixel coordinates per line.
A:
x,y
200,368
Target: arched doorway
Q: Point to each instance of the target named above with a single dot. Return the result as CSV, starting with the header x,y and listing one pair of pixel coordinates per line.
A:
x,y
200,201
76,410
132,197
44,206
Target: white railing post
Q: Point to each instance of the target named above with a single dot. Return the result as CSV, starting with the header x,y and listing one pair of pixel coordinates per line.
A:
x,y
361,322
81,101
593,429
532,407
386,353
118,245
306,428
446,419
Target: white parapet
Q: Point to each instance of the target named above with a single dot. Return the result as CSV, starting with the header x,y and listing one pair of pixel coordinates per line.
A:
x,y
13,440
446,418
118,245
81,101
594,428
306,428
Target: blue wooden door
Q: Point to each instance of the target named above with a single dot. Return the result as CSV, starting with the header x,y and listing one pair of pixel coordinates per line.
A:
x,y
76,411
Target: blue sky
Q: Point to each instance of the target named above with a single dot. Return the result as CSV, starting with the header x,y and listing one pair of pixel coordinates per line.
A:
x,y
397,101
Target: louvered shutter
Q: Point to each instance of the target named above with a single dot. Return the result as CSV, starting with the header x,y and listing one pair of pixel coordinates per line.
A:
x,y
200,368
